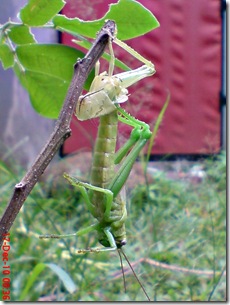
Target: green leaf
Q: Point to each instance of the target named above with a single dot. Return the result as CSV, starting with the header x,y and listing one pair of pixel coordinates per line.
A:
x,y
39,12
48,71
77,27
6,56
132,20
31,279
47,93
20,34
47,75
64,277
49,59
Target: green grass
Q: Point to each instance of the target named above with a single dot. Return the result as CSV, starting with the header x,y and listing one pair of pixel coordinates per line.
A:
x,y
177,223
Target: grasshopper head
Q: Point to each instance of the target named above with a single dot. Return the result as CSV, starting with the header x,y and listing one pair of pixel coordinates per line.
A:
x,y
121,243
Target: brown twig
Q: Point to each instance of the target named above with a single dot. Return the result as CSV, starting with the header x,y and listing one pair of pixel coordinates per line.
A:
x,y
61,131
175,268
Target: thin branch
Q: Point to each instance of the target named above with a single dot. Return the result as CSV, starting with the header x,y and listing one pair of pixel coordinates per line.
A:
x,y
61,131
155,263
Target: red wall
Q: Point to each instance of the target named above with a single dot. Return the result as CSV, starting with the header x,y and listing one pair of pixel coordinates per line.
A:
x,y
186,51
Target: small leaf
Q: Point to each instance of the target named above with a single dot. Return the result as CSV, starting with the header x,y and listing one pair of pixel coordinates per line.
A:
x,y
64,277
77,27
50,59
127,14
20,34
132,19
39,12
6,56
47,75
47,93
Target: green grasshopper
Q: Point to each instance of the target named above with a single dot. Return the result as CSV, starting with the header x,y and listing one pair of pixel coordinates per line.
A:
x,y
103,194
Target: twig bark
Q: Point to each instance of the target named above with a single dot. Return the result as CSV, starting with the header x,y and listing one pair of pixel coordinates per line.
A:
x,y
61,131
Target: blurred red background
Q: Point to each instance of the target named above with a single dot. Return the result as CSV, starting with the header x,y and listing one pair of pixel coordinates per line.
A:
x,y
186,51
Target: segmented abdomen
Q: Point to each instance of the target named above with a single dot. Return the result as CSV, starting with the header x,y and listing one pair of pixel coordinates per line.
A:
x,y
103,159
101,175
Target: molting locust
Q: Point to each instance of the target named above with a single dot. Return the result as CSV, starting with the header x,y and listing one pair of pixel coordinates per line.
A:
x,y
103,194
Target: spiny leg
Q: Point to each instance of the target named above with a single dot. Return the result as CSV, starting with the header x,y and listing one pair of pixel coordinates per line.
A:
x,y
82,186
111,62
131,51
95,227
97,68
108,204
112,59
81,232
140,131
138,138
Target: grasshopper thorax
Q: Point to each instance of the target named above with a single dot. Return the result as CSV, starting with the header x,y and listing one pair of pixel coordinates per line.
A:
x,y
104,93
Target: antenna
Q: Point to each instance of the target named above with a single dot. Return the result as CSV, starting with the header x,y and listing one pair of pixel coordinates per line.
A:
x,y
122,269
134,273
